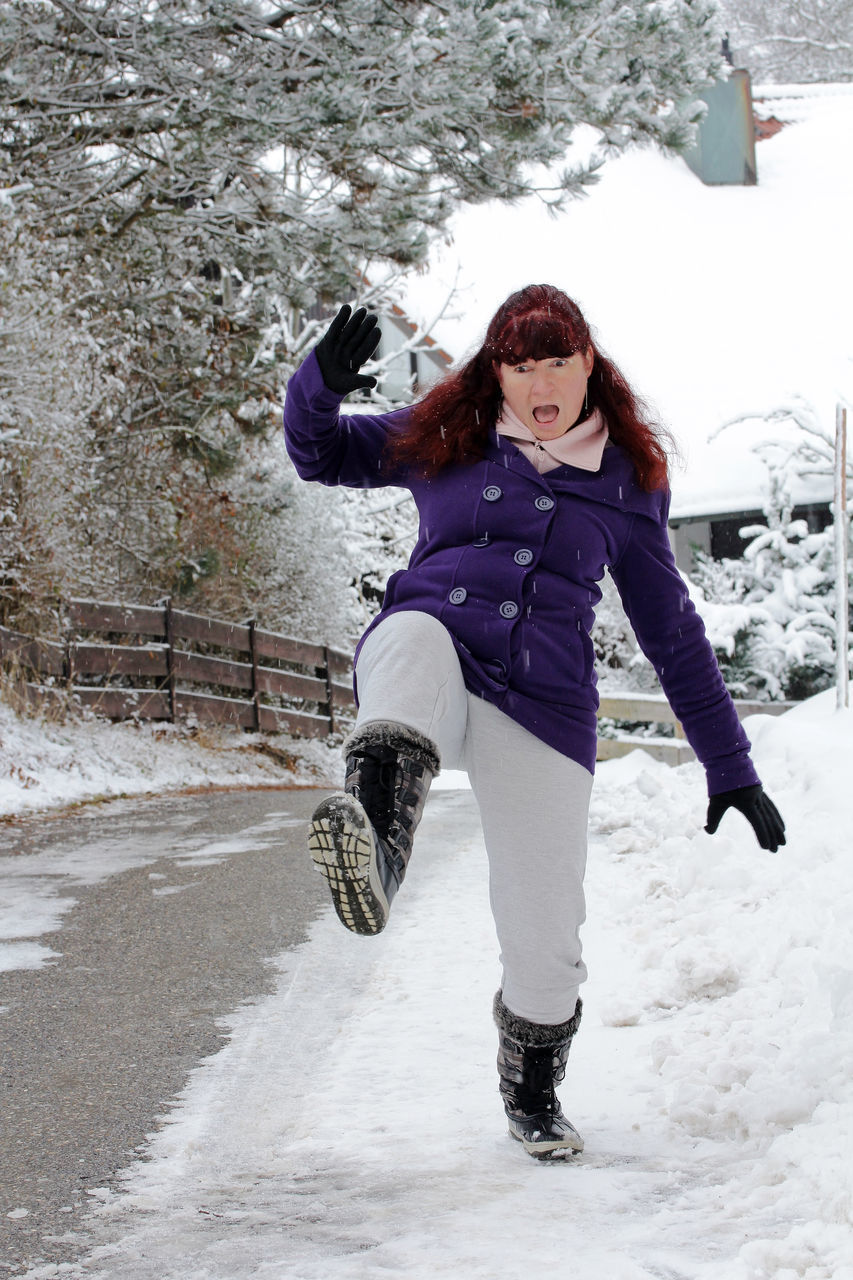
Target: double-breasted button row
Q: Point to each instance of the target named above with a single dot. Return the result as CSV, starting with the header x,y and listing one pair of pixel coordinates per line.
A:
x,y
493,493
523,556
509,609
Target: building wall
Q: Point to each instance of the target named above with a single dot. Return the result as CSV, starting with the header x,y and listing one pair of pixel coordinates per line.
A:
x,y
419,368
684,536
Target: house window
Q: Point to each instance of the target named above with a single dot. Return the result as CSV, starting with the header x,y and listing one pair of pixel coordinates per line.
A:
x,y
726,542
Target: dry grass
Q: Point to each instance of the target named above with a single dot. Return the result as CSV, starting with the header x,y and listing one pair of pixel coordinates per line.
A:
x,y
53,703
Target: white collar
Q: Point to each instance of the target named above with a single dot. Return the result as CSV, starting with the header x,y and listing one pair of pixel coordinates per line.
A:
x,y
581,446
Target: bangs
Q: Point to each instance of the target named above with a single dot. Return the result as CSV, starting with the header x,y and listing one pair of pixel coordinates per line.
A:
x,y
538,335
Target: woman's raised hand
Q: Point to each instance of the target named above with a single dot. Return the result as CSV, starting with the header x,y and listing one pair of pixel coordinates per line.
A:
x,y
347,344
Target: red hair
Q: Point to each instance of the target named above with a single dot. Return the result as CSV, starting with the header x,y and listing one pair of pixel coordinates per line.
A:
x,y
451,424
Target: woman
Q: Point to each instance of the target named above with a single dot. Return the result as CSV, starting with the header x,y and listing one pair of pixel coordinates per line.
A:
x,y
533,470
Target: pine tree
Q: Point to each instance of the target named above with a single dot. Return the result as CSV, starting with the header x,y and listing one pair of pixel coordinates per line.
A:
x,y
200,176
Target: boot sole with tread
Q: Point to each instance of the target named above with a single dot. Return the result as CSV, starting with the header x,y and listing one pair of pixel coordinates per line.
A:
x,y
343,848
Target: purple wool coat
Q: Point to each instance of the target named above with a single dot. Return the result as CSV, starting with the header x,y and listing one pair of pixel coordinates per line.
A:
x,y
510,562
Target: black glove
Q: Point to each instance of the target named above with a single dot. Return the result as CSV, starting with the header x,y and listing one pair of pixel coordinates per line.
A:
x,y
349,341
758,808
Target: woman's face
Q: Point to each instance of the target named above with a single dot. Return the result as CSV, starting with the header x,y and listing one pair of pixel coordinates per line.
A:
x,y
547,395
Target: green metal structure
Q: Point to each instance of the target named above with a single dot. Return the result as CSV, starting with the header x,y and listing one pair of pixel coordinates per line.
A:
x,y
724,154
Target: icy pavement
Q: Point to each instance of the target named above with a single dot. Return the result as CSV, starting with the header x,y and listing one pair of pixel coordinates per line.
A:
x,y
352,1126
146,922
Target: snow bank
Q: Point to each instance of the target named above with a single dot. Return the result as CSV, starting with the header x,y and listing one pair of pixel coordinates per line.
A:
x,y
743,960
44,763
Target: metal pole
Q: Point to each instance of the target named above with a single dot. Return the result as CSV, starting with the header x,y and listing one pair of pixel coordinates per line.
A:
x,y
842,682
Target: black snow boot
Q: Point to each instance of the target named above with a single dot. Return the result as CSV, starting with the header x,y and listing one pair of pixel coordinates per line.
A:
x,y
531,1063
361,839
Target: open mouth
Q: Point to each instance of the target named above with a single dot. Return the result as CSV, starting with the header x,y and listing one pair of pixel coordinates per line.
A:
x,y
545,414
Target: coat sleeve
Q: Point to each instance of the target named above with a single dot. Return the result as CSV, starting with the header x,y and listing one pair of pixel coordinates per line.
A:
x,y
672,636
330,447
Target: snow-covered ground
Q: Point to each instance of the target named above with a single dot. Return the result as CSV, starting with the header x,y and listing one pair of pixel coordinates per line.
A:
x,y
352,1128
45,763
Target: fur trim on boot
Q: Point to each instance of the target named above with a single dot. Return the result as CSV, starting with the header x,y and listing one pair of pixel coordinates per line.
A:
x,y
535,1034
399,737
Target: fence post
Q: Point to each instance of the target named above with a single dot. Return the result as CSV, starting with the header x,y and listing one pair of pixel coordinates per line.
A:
x,y
256,699
330,690
68,663
170,663
842,681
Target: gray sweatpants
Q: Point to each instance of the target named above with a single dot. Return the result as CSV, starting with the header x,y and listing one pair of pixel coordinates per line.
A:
x,y
533,802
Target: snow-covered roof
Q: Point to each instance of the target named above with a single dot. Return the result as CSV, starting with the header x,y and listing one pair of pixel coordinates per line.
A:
x,y
716,301
737,478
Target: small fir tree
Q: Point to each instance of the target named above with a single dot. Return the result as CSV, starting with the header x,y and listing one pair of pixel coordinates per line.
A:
x,y
771,615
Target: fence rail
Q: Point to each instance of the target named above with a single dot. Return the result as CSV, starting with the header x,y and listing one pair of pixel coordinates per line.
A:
x,y
166,664
307,692
653,709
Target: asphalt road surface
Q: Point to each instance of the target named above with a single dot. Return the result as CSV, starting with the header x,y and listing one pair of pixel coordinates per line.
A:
x,y
96,1044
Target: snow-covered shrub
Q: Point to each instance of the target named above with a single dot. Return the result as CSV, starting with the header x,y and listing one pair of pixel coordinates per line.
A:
x,y
621,663
771,615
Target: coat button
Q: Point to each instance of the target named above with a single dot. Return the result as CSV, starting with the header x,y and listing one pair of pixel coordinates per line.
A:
x,y
523,557
544,503
458,595
509,609
491,493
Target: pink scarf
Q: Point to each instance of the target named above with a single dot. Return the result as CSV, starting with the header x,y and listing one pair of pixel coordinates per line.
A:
x,y
581,446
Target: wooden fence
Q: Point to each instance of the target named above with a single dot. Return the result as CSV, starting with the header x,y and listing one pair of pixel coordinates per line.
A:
x,y
164,664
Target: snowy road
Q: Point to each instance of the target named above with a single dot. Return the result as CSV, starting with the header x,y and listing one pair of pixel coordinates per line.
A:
x,y
351,1128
